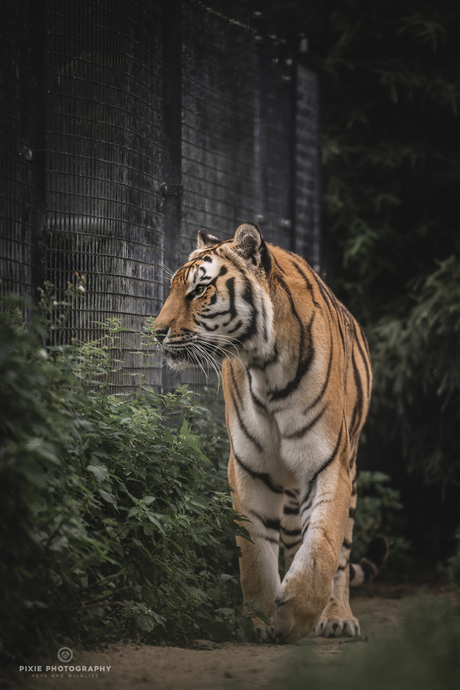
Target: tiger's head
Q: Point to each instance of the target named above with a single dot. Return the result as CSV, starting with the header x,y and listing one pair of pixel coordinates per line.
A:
x,y
219,303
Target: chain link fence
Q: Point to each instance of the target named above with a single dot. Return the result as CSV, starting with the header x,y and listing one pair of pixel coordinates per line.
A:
x,y
130,126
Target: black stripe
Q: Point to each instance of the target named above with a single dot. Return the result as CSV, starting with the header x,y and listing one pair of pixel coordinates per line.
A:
x,y
266,363
305,528
290,493
248,297
269,523
347,544
265,478
235,328
235,385
291,546
309,285
301,432
307,495
377,551
331,458
323,389
366,359
264,323
351,513
308,506
230,285
305,348
243,427
290,511
266,258
364,339
368,570
254,397
207,328
358,407
281,603
291,532
332,304
272,540
353,456
277,264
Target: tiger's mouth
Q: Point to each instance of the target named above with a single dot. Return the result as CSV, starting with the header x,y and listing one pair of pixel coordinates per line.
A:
x,y
178,357
192,355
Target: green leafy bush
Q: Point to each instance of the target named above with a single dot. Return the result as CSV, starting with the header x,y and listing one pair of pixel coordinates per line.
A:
x,y
113,520
391,164
379,511
417,374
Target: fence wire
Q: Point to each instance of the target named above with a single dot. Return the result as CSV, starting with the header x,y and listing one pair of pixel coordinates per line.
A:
x,y
109,102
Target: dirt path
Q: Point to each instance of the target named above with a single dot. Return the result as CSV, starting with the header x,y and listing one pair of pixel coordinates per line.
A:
x,y
209,666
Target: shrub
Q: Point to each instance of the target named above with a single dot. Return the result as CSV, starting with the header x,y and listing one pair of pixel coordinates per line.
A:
x,y
417,373
113,520
379,511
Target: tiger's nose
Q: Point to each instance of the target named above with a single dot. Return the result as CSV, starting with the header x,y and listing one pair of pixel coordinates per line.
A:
x,y
161,333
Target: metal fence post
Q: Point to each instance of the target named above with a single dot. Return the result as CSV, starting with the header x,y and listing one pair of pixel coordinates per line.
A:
x,y
172,133
37,152
258,25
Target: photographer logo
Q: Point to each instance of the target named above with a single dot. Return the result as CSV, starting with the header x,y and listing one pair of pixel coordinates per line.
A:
x,y
65,655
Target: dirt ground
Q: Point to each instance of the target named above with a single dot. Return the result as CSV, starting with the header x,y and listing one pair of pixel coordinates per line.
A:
x,y
210,666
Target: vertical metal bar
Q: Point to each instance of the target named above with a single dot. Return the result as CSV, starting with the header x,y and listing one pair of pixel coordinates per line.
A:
x,y
38,125
258,25
290,81
172,133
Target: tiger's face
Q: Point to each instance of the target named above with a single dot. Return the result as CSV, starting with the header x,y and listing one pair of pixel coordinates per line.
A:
x,y
218,305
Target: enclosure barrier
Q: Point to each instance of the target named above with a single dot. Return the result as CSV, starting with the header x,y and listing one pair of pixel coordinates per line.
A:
x,y
131,125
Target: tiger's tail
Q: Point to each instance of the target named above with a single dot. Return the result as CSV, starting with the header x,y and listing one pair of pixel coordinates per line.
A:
x,y
369,566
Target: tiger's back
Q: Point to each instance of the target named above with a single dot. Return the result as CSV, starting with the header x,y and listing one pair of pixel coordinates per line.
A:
x,y
297,382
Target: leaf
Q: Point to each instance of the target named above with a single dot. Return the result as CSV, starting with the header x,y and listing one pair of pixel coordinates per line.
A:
x,y
226,612
109,498
147,500
146,622
99,471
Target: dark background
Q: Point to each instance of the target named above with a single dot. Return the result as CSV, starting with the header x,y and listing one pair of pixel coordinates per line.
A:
x,y
131,124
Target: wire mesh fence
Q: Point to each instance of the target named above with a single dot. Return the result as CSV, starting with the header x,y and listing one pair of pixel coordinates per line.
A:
x,y
129,126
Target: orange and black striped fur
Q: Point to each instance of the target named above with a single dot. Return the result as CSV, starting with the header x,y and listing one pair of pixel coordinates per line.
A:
x,y
297,383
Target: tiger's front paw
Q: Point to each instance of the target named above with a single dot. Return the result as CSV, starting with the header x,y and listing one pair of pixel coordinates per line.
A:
x,y
298,607
336,626
294,617
264,632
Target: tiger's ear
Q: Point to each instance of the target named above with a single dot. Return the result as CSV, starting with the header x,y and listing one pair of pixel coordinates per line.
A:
x,y
250,245
205,240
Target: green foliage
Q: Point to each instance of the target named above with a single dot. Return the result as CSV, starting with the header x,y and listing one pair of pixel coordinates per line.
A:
x,y
114,522
390,146
417,374
379,512
391,155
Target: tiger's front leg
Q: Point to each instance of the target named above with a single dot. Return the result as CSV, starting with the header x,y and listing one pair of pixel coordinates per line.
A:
x,y
261,501
307,587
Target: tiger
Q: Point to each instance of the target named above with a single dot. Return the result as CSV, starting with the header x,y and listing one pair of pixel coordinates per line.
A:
x,y
296,377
